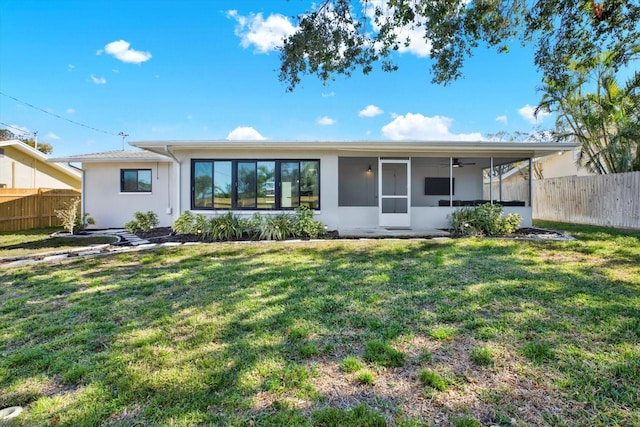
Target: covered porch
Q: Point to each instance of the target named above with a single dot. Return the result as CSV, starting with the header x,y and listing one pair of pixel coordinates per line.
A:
x,y
414,195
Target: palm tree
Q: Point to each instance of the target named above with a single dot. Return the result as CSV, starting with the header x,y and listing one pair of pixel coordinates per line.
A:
x,y
594,109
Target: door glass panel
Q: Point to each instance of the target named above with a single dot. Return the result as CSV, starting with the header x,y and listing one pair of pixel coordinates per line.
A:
x,y
222,185
266,185
310,184
289,184
394,179
247,184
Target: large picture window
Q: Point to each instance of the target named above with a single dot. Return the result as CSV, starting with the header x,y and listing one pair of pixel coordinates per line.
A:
x,y
135,180
255,184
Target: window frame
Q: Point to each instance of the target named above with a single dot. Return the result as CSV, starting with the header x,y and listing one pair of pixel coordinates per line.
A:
x,y
137,170
234,183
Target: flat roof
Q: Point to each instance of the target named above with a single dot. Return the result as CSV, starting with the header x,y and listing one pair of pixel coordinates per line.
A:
x,y
432,147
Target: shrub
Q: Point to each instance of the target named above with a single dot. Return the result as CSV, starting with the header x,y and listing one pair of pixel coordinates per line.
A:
x,y
226,227
185,223
71,219
278,227
485,219
462,222
305,225
143,221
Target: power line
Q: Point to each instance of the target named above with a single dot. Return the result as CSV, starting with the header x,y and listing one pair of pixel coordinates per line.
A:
x,y
22,131
59,117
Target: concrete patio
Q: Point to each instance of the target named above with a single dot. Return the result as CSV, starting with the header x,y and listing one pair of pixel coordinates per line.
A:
x,y
390,232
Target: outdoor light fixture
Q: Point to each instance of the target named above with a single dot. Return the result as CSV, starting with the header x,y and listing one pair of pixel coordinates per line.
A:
x,y
369,170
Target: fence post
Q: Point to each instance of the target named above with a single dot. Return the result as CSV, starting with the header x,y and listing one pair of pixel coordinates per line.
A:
x,y
38,201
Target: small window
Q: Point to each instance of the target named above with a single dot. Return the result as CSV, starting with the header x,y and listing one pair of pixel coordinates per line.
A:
x,y
135,180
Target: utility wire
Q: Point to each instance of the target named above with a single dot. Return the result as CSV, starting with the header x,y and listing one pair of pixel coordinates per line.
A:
x,y
22,131
59,117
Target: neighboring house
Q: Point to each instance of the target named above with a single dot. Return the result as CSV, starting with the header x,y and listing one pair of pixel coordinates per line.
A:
x,y
349,184
555,165
22,166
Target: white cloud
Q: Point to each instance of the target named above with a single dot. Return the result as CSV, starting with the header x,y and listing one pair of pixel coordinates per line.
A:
x,y
370,111
328,95
98,80
325,121
527,113
122,51
52,135
502,119
419,127
19,130
70,67
415,33
245,133
70,111
264,34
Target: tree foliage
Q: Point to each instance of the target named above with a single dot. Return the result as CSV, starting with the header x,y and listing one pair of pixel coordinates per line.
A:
x,y
603,114
43,147
341,36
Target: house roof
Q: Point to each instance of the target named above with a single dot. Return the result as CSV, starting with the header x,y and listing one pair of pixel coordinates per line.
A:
x,y
445,148
32,152
115,156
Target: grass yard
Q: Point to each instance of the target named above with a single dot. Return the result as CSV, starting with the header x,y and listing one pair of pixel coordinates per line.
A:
x,y
19,243
464,332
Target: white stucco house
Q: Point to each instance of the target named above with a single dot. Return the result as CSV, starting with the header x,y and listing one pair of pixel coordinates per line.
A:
x,y
349,184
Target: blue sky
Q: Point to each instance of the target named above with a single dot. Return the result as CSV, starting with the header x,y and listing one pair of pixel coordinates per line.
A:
x,y
207,69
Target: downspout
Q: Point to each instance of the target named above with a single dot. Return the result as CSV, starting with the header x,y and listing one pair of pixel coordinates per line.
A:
x,y
179,186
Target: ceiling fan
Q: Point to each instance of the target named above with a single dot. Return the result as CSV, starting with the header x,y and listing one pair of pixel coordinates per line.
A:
x,y
458,164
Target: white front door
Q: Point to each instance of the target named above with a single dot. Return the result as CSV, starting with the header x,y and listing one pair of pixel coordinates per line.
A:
x,y
395,192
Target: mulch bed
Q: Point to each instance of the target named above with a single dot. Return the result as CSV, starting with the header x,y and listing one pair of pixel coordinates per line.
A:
x,y
166,234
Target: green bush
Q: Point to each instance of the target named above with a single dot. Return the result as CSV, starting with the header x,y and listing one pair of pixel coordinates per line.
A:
x,y
143,221
305,225
277,227
485,219
185,223
232,227
226,227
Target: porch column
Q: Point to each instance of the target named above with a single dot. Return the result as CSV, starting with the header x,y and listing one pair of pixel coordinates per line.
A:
x,y
450,182
491,180
531,185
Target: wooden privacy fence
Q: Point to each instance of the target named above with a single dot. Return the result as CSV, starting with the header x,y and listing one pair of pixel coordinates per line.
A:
x,y
27,208
609,200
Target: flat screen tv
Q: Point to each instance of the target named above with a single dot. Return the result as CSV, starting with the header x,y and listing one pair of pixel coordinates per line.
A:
x,y
438,186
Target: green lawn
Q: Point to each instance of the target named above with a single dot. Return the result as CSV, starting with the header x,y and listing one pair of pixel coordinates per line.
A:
x,y
19,243
461,332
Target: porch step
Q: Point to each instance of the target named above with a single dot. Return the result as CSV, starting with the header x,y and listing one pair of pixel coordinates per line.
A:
x,y
380,232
